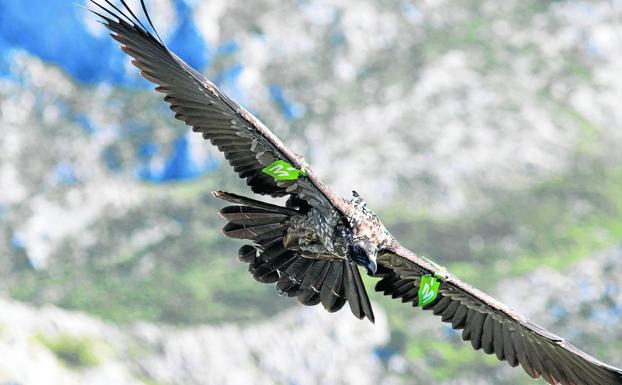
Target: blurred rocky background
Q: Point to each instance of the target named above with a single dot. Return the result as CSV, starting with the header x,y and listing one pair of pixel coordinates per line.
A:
x,y
486,134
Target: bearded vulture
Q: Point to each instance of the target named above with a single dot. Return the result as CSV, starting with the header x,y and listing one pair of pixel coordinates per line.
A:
x,y
312,246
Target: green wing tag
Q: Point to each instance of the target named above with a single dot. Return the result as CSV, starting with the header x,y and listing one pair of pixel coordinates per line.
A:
x,y
428,289
281,170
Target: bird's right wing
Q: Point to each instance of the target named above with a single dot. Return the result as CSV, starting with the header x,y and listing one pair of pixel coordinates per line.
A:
x,y
492,326
247,144
250,147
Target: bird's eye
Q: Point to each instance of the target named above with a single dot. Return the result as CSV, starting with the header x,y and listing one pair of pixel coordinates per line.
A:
x,y
358,255
357,250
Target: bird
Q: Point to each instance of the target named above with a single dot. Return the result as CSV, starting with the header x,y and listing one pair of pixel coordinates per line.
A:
x,y
315,245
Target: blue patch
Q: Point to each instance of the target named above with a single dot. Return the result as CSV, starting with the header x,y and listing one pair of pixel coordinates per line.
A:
x,y
134,128
17,242
228,82
383,353
412,12
64,173
5,59
112,159
449,332
210,164
86,124
336,37
55,31
229,76
147,150
289,110
186,40
228,48
558,311
180,165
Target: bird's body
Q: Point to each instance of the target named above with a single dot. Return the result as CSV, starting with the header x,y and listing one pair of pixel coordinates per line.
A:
x,y
313,246
309,253
318,236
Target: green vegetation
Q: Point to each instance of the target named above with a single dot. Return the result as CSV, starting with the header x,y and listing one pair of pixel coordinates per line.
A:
x,y
148,381
195,277
74,352
189,275
500,67
553,223
209,287
450,357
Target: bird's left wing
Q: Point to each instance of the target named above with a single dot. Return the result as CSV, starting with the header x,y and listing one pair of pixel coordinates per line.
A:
x,y
492,326
247,144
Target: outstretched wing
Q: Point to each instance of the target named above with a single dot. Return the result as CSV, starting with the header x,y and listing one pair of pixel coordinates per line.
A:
x,y
247,144
492,326
249,147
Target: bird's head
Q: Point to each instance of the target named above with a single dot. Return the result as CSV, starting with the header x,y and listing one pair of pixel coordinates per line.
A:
x,y
369,235
364,252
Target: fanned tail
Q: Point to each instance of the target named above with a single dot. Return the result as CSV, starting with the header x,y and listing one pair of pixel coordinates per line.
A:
x,y
329,282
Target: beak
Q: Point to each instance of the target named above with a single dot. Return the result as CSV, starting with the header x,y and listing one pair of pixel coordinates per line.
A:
x,y
372,267
290,240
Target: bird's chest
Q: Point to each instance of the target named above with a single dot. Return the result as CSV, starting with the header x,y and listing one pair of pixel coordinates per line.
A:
x,y
327,232
365,224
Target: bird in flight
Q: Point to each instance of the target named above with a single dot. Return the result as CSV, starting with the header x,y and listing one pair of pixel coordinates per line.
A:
x,y
313,246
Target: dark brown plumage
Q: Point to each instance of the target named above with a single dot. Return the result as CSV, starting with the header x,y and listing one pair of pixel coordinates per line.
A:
x,y
311,249
329,282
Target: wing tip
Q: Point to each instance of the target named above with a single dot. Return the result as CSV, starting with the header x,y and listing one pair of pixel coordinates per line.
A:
x,y
218,194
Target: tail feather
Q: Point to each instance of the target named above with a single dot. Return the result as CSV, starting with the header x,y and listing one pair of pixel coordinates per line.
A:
x,y
266,244
352,293
332,293
238,199
362,294
291,282
255,233
309,297
247,253
312,281
272,260
272,267
246,215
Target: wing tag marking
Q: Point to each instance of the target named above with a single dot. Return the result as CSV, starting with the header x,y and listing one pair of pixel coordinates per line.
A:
x,y
281,170
428,289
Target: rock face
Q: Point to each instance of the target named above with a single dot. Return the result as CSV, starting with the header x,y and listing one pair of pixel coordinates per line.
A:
x,y
300,346
398,92
582,303
430,104
304,345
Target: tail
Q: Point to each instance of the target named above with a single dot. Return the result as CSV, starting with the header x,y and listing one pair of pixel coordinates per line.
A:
x,y
331,282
